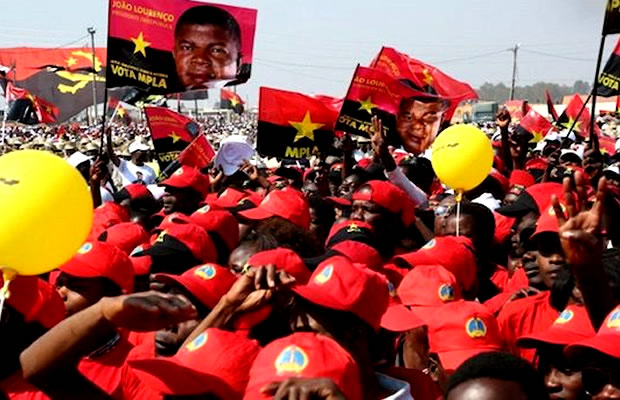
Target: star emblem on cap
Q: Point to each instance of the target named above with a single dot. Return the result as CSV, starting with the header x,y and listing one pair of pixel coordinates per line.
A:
x,y
367,105
305,128
428,77
140,44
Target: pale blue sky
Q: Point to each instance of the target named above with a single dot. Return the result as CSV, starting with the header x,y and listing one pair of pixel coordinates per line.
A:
x,y
313,46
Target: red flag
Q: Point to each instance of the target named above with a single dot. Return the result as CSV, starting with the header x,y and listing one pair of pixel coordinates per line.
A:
x,y
607,145
550,107
46,112
424,77
517,108
198,154
231,100
293,125
569,117
535,124
171,133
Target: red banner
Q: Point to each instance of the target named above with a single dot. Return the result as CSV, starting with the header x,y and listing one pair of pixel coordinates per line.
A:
x,y
171,133
198,154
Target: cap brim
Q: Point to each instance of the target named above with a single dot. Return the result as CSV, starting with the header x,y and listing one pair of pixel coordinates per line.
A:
x,y
545,338
166,376
319,297
451,360
339,201
521,206
606,344
256,214
398,318
425,313
79,269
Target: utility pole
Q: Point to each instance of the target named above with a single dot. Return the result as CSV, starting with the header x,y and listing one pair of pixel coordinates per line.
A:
x,y
514,70
91,31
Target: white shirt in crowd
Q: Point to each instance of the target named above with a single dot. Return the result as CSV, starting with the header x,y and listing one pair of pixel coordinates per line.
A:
x,y
131,173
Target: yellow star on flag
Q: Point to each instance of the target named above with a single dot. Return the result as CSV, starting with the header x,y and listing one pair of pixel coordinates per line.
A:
x,y
141,44
175,138
305,128
367,105
428,78
234,102
120,111
538,136
71,61
570,123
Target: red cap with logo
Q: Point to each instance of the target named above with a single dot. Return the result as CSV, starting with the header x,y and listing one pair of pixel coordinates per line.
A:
x,y
547,222
126,236
398,318
105,216
192,236
461,330
284,259
101,260
286,203
188,178
307,355
606,340
427,287
229,198
36,300
360,253
521,178
390,197
339,284
216,362
220,222
349,230
208,282
573,325
455,253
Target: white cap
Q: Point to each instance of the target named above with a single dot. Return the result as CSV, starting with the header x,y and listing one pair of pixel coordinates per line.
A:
x,y
564,134
234,150
540,146
617,147
551,136
138,145
77,158
578,152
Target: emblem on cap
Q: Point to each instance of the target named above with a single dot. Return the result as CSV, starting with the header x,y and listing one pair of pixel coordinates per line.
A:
x,y
324,275
198,342
161,236
206,272
431,243
86,247
552,210
178,171
292,359
353,228
446,292
476,328
614,319
564,317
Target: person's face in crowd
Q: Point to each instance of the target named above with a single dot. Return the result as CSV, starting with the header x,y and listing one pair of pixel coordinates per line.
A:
x,y
79,293
601,377
169,340
84,169
239,257
561,380
487,389
512,195
181,200
310,189
550,257
446,222
417,124
204,53
523,228
348,186
367,211
532,271
416,348
139,157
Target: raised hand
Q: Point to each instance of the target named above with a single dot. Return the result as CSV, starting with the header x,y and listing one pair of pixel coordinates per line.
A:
x,y
304,389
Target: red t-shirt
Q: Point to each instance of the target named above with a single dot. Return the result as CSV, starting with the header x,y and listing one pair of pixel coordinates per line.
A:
x,y
16,388
104,370
525,316
133,387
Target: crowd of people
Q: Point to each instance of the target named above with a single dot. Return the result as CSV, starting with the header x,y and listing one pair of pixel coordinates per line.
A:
x,y
357,275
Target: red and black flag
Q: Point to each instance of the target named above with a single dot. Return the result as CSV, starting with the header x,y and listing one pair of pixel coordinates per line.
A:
x,y
424,77
550,107
571,117
44,111
231,100
609,79
607,145
517,108
118,111
198,154
372,92
611,24
535,125
293,125
171,133
63,77
170,46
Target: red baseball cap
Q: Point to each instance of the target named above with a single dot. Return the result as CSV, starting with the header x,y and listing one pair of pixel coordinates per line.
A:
x,y
398,318
284,259
455,253
141,263
36,300
605,341
208,282
132,191
538,163
350,230
390,197
126,236
500,179
573,325
536,198
427,287
229,198
360,253
216,362
288,204
190,178
547,222
101,260
219,222
339,284
461,330
521,178
307,355
339,202
105,216
183,237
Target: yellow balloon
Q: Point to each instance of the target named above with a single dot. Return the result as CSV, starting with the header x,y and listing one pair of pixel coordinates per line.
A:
x,y
47,211
462,157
